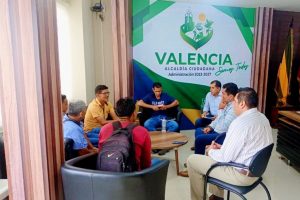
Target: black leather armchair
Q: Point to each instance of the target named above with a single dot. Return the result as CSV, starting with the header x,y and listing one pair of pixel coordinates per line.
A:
x,y
3,174
82,181
69,151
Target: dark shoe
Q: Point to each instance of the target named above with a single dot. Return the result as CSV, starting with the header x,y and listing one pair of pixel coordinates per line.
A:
x,y
163,152
154,151
214,197
193,148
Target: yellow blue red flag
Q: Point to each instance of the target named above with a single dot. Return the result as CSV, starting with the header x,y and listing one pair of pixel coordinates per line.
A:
x,y
284,71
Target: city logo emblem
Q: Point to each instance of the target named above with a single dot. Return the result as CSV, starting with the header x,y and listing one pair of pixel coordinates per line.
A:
x,y
199,34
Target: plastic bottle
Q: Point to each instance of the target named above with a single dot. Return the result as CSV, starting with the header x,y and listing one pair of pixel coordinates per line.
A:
x,y
163,125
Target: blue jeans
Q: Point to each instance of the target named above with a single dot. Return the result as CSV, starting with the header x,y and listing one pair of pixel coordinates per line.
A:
x,y
155,122
202,139
93,135
202,122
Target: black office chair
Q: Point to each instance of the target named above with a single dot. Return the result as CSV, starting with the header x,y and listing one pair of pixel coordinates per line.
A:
x,y
172,113
69,151
81,180
3,174
257,167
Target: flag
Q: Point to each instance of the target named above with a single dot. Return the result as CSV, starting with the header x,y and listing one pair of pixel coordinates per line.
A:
x,y
284,70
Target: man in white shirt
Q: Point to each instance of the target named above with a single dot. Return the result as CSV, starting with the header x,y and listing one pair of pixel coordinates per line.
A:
x,y
248,133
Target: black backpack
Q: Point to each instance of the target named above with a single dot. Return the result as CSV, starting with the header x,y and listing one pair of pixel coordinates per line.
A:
x,y
117,153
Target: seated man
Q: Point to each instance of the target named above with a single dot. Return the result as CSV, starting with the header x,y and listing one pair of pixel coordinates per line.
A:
x,y
159,102
220,125
248,133
125,109
211,106
64,104
97,113
73,128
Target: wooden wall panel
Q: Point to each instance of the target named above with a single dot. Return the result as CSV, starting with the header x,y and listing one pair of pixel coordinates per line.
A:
x,y
30,99
49,72
259,73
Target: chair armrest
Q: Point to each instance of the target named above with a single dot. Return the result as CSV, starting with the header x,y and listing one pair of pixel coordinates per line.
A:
x,y
144,114
222,164
87,164
179,116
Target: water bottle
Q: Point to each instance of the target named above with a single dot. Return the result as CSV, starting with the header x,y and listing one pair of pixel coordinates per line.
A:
x,y
163,125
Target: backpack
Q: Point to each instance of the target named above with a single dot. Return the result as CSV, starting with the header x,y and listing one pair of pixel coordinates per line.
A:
x,y
117,153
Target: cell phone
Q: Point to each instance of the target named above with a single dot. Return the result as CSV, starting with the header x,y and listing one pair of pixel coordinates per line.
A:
x,y
178,142
209,116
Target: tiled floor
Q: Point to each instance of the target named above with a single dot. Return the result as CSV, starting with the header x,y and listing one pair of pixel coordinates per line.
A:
x,y
282,180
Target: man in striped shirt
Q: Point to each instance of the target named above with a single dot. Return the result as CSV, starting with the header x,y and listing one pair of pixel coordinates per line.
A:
x,y
204,136
248,133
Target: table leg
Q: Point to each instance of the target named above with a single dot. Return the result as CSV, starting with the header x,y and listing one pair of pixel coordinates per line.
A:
x,y
176,161
179,173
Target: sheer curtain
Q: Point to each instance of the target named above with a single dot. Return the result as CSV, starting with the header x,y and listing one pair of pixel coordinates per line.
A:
x,y
122,49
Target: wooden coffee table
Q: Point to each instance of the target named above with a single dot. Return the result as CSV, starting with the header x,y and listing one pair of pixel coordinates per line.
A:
x,y
161,140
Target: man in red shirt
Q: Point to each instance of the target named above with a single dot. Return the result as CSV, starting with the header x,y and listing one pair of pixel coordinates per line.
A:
x,y
125,109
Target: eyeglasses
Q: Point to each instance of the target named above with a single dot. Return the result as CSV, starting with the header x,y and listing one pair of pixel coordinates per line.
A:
x,y
106,93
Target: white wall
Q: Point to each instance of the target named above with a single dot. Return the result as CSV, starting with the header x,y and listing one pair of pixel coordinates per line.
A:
x,y
63,29
103,47
88,39
71,49
85,50
77,49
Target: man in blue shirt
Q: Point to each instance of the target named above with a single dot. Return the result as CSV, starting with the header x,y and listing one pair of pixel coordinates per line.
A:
x,y
211,106
159,102
218,127
73,128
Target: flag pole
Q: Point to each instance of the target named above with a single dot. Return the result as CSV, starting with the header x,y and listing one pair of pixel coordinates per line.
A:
x,y
282,88
292,52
